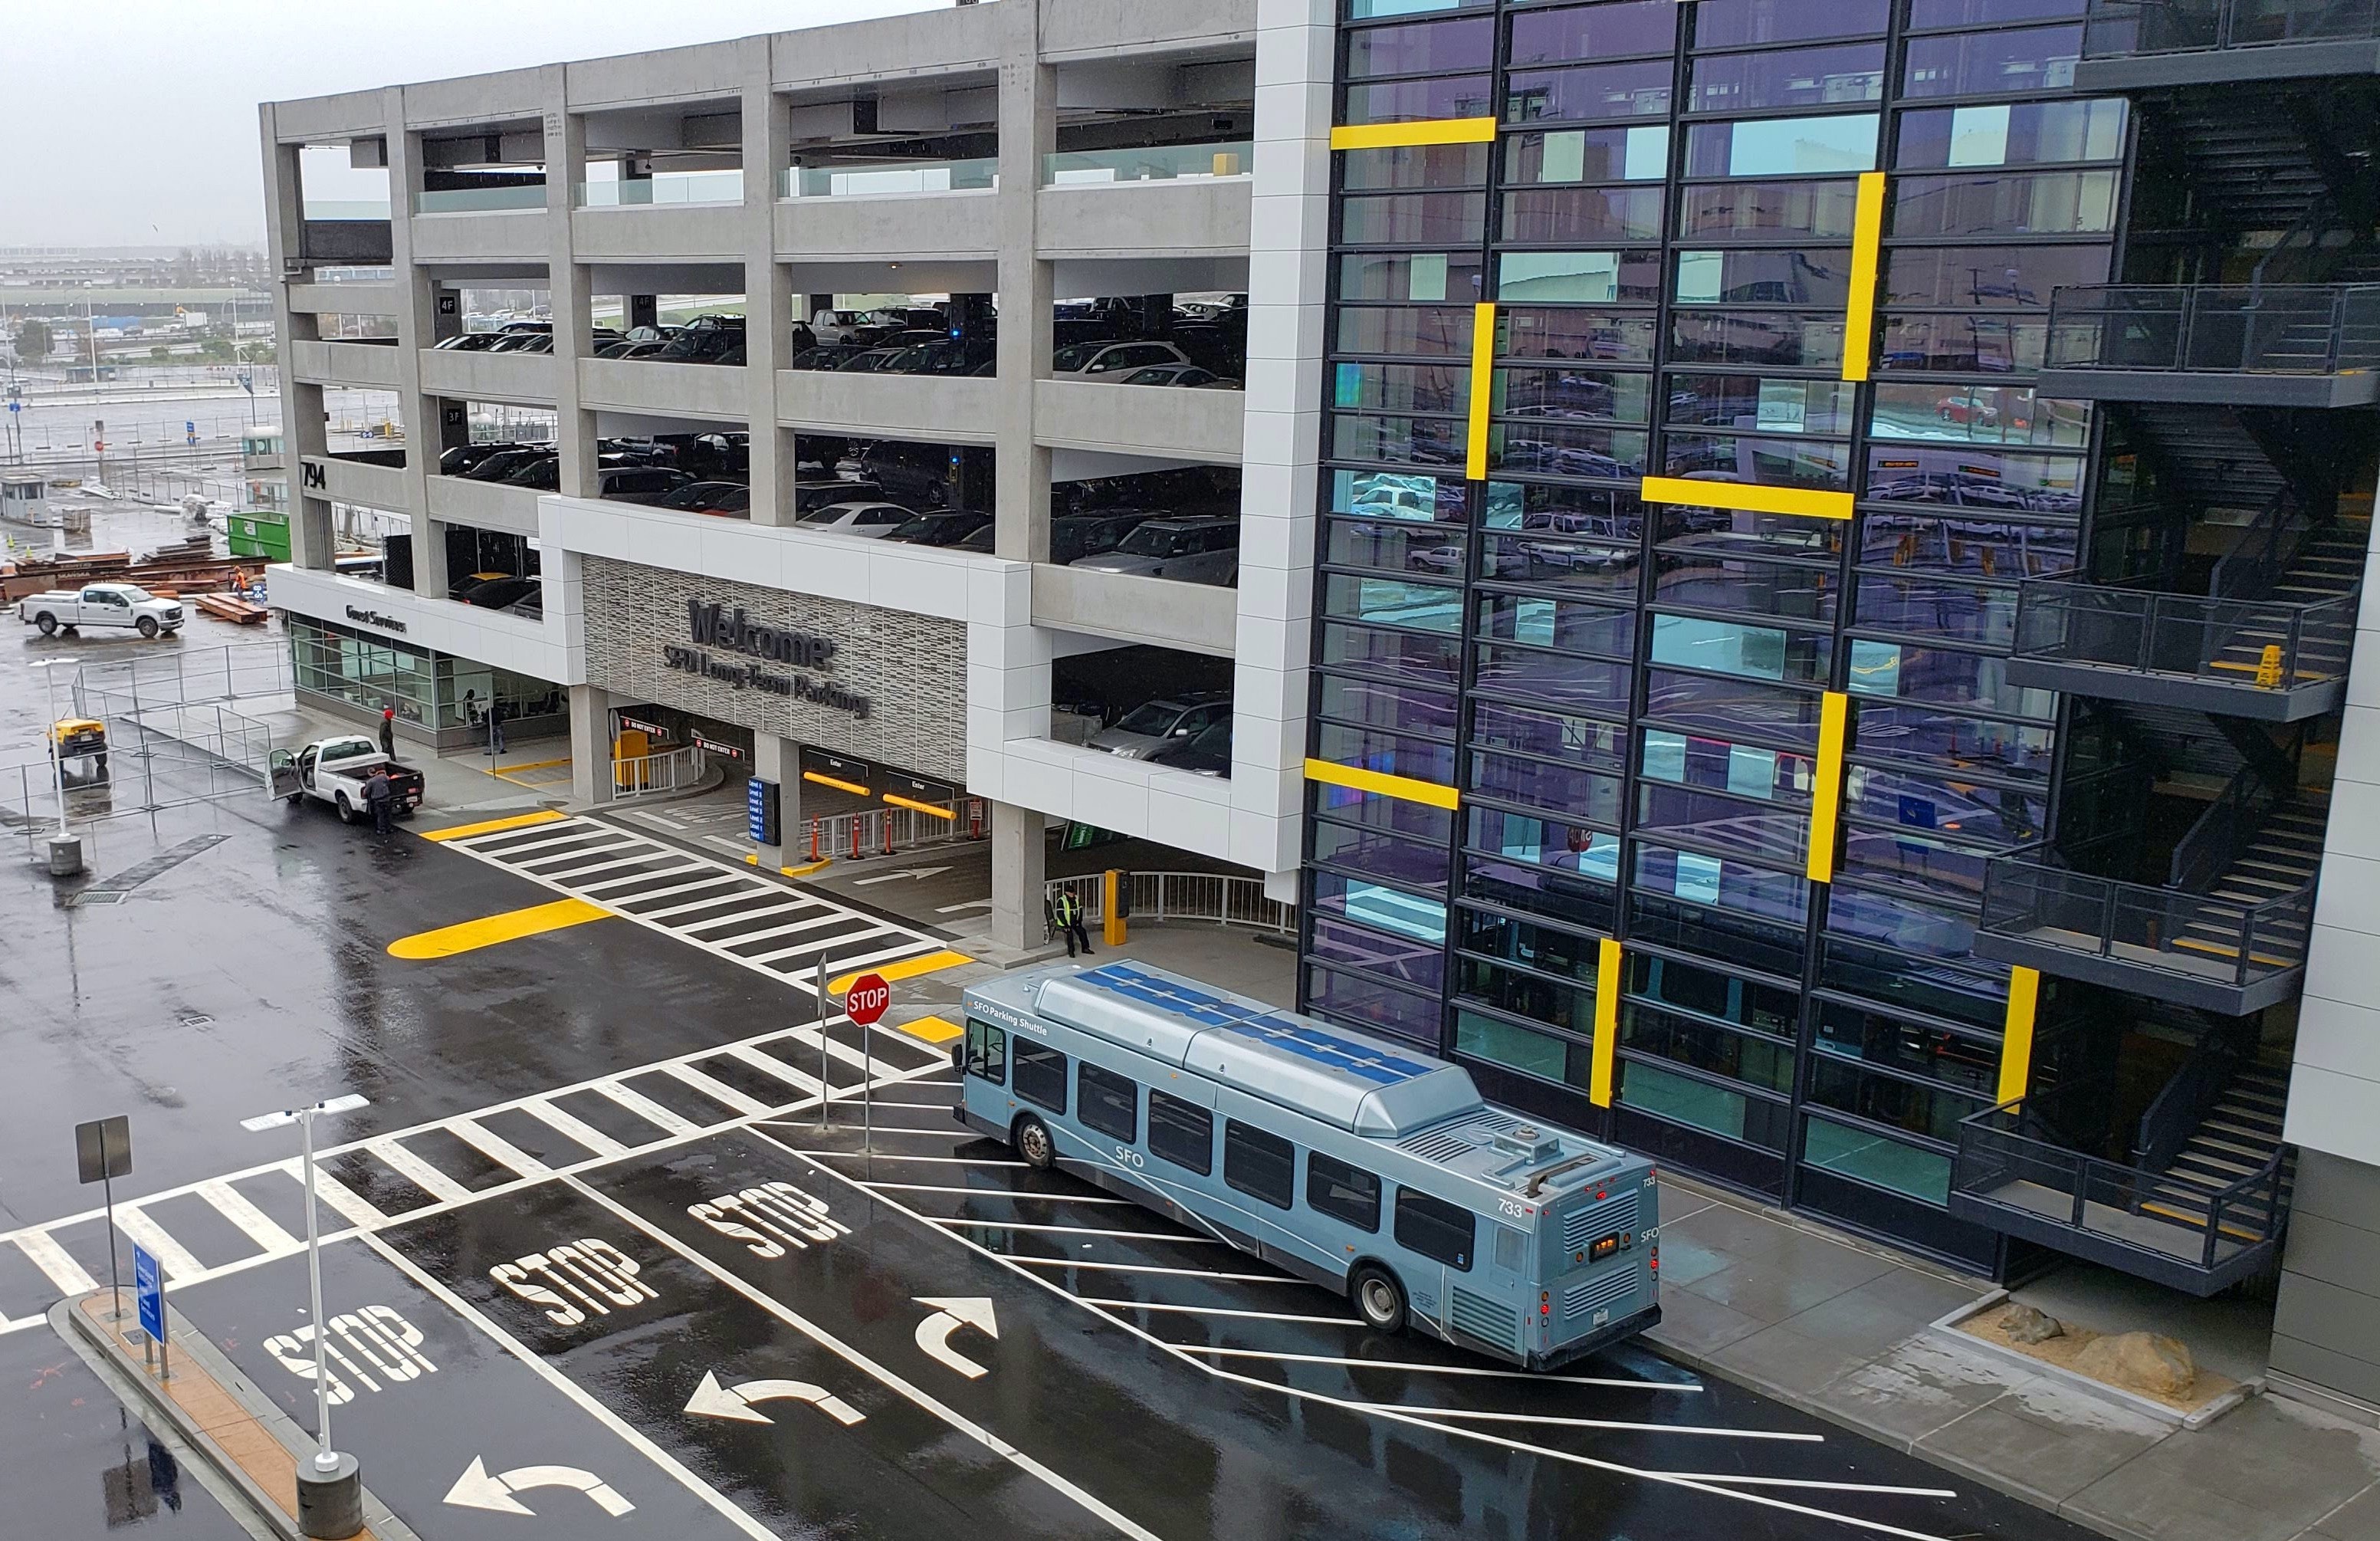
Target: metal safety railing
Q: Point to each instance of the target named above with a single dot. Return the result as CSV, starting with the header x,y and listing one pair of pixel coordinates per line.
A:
x,y
2302,329
2265,644
678,769
1157,898
2120,28
887,830
2198,934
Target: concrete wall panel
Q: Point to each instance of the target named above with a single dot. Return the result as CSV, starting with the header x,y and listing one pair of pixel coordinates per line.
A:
x,y
1192,217
1139,419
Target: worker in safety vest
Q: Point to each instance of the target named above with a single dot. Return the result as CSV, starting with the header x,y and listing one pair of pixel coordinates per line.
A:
x,y
1067,911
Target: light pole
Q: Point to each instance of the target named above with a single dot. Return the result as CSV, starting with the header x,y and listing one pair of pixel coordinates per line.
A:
x,y
65,847
329,1487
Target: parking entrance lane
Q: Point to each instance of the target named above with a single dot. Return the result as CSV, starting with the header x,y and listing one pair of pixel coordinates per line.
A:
x,y
461,1437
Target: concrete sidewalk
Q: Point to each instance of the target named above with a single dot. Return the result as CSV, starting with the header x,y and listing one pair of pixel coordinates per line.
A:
x,y
1840,1329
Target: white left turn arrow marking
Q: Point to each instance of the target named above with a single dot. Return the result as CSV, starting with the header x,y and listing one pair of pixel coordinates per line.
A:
x,y
712,1400
476,1489
918,872
950,1313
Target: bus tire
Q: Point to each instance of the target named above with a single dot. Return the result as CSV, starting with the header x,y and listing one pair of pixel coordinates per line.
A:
x,y
1378,1298
1031,1138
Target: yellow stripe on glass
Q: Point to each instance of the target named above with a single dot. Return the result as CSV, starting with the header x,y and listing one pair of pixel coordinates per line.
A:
x,y
1483,375
1607,1022
2016,1032
1381,784
1826,796
1867,238
1750,497
1396,136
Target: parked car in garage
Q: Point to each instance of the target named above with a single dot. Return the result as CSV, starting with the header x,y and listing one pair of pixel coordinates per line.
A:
x,y
1197,549
1206,753
869,521
945,528
1154,725
1111,361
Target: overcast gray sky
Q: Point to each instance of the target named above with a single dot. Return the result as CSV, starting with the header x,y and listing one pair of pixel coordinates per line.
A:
x,y
133,122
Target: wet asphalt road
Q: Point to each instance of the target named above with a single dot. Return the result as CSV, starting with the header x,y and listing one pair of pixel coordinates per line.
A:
x,y
551,1281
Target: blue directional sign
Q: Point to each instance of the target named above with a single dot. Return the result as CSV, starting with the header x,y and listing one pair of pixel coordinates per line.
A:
x,y
756,811
149,1289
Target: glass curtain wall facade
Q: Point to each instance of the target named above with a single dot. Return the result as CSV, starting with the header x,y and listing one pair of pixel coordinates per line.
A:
x,y
1680,460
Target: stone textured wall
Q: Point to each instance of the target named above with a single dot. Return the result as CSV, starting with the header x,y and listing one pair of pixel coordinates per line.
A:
x,y
913,668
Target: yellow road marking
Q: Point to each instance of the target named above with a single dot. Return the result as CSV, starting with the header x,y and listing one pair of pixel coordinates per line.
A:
x,y
753,859
533,765
519,821
488,931
933,1029
907,968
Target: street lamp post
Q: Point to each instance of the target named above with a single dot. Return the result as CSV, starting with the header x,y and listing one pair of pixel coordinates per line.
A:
x,y
330,1485
65,848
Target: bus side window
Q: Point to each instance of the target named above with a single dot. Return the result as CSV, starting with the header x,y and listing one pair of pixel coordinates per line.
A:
x,y
1108,1102
1041,1075
1439,1230
1259,1164
987,1052
1344,1193
1183,1133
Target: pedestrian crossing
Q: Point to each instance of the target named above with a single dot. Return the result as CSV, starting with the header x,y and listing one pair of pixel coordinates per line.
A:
x,y
221,1225
726,909
717,822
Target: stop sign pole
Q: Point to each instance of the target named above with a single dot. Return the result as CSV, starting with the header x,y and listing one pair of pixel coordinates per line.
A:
x,y
865,1004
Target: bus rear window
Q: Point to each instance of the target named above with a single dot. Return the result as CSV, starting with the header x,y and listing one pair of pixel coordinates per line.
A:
x,y
1183,1133
987,1052
1041,1075
1439,1230
1259,1164
1345,1193
1110,1103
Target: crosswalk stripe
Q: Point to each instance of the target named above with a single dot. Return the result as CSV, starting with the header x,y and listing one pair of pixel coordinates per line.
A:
x,y
353,1207
537,869
770,1064
740,917
586,1133
645,1108
497,1149
712,881
865,933
579,835
54,1260
828,918
717,1089
178,1260
846,964
261,1228
633,878
746,891
418,1172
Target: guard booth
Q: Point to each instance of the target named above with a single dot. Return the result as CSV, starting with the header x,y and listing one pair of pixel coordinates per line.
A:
x,y
24,500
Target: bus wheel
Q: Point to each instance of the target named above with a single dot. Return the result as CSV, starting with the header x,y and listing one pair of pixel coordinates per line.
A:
x,y
1031,1138
1379,1298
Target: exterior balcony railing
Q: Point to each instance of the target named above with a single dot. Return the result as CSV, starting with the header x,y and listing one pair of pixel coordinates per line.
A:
x,y
2298,345
479,201
667,188
1157,163
2018,1170
2191,949
2268,660
2137,44
980,174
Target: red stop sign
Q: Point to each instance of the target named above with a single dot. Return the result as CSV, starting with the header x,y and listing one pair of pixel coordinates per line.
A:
x,y
867,998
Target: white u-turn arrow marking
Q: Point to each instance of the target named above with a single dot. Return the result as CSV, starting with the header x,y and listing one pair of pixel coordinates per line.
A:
x,y
476,1489
950,1313
712,1400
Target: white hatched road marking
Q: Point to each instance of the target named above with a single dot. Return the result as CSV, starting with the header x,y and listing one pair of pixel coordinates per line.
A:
x,y
54,1260
361,1212
578,1129
770,1065
1003,1192
179,1262
418,1172
713,880
261,1228
714,934
645,1108
718,1091
497,1149
1213,1311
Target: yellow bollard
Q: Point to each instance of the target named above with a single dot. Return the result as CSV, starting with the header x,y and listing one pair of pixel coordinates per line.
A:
x,y
1110,885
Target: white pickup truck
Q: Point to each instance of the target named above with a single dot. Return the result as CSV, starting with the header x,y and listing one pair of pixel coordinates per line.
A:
x,y
334,771
101,604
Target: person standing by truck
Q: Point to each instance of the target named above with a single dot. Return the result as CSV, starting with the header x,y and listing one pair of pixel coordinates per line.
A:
x,y
379,796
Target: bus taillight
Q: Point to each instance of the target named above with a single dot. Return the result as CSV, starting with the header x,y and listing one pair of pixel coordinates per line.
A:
x,y
1545,1303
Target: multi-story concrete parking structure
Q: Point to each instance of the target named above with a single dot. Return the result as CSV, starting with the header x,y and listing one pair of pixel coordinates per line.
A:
x,y
1798,565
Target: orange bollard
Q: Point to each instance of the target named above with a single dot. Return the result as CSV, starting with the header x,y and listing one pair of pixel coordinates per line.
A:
x,y
854,839
814,840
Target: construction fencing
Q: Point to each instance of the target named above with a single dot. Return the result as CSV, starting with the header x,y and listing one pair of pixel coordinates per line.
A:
x,y
1156,898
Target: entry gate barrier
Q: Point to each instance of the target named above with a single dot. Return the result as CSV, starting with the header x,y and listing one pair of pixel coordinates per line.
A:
x,y
678,769
885,832
1156,897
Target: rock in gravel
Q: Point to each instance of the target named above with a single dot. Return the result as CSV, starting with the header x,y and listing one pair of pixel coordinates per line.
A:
x,y
2026,1324
2147,1362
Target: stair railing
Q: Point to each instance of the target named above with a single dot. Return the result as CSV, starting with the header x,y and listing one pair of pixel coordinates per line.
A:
x,y
2223,831
2255,1199
2263,553
2182,1104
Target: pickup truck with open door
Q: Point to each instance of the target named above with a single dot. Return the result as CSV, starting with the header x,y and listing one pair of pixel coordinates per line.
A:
x,y
334,771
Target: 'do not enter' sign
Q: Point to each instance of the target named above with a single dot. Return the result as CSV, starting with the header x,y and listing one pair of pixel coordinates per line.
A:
x,y
867,998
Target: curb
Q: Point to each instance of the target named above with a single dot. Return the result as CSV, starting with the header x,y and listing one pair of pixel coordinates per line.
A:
x,y
1946,1330
69,1321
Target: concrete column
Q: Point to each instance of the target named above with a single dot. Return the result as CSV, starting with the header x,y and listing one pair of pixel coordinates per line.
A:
x,y
1019,844
568,287
591,743
417,328
311,542
768,288
1028,130
780,760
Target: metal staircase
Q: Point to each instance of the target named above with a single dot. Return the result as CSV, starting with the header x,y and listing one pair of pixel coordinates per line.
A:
x,y
2236,1141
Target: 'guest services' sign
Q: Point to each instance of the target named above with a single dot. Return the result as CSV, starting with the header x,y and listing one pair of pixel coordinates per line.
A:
x,y
714,625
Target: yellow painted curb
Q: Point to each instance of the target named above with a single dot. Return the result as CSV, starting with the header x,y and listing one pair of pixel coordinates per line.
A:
x,y
518,821
753,859
907,968
933,1029
471,935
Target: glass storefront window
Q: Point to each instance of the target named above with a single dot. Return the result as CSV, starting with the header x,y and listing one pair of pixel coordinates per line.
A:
x,y
1978,414
1877,1158
1637,154
1402,387
1400,707
1724,23
1992,63
1412,219
1582,214
1756,339
1764,405
1433,333
1733,648
1541,1055
1793,77
2012,134
1784,146
1737,1056
1605,32
1700,1104
1576,277
1606,336
1431,277
1415,165
1420,100
2038,204
1421,48
1763,210
1598,93
1763,275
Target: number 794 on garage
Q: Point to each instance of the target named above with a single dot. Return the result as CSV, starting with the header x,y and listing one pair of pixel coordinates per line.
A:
x,y
1343,1158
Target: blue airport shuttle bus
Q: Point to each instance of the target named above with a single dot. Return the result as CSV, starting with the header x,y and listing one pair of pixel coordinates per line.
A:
x,y
1337,1156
